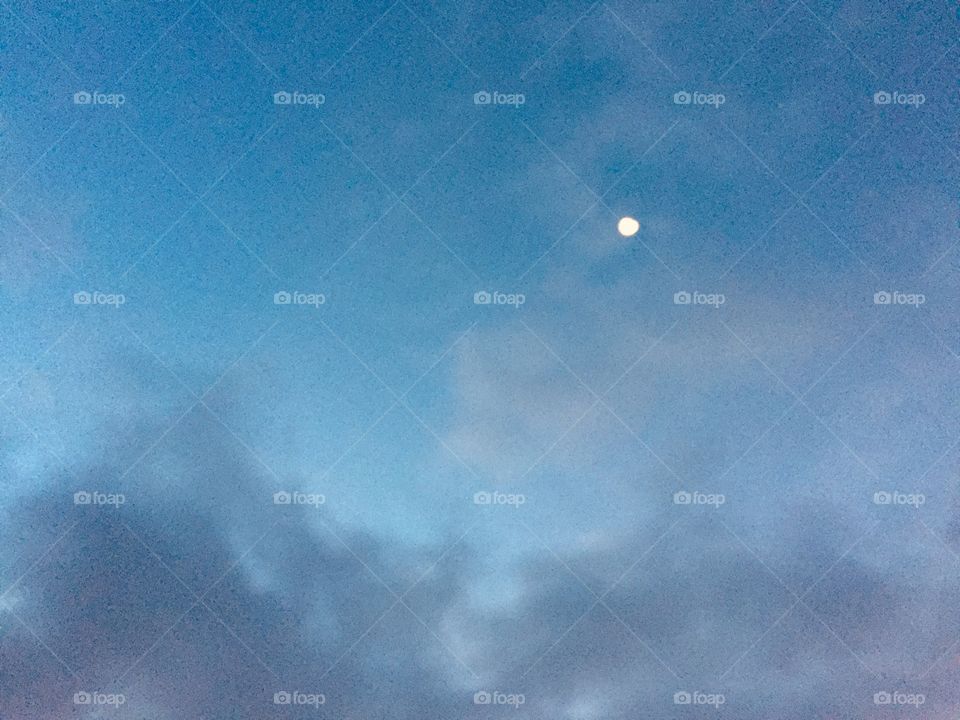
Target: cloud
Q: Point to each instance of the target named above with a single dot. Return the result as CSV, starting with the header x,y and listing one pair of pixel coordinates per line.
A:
x,y
288,593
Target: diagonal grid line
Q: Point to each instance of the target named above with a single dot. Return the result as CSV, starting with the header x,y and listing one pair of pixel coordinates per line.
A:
x,y
46,446
799,599
599,601
357,41
397,201
199,601
597,202
596,400
598,198
40,640
758,40
640,40
269,470
41,41
840,40
536,63
38,359
397,601
399,399
400,600
800,400
399,198
198,199
604,403
156,42
191,391
50,251
440,40
239,40
395,403
601,597
799,199
38,560
36,162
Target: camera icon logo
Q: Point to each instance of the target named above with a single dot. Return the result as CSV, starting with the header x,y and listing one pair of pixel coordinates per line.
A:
x,y
482,498
82,498
482,698
282,698
682,698
82,298
282,298
482,98
482,298
882,698
82,698
282,98
882,298
682,498
682,98
282,498
682,298
882,97
882,498
82,97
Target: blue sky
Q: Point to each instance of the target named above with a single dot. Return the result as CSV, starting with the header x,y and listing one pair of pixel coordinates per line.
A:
x,y
585,499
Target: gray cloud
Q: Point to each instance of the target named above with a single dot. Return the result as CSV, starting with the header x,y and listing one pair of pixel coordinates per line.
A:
x,y
297,593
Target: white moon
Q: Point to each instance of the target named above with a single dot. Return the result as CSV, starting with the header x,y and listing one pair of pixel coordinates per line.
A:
x,y
628,227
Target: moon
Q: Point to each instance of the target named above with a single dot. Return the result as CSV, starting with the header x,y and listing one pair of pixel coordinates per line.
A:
x,y
628,227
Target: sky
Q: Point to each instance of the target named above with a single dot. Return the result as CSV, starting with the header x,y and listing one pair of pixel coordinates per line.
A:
x,y
329,388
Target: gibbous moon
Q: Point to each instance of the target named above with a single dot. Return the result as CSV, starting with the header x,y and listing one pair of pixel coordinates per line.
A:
x,y
628,227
